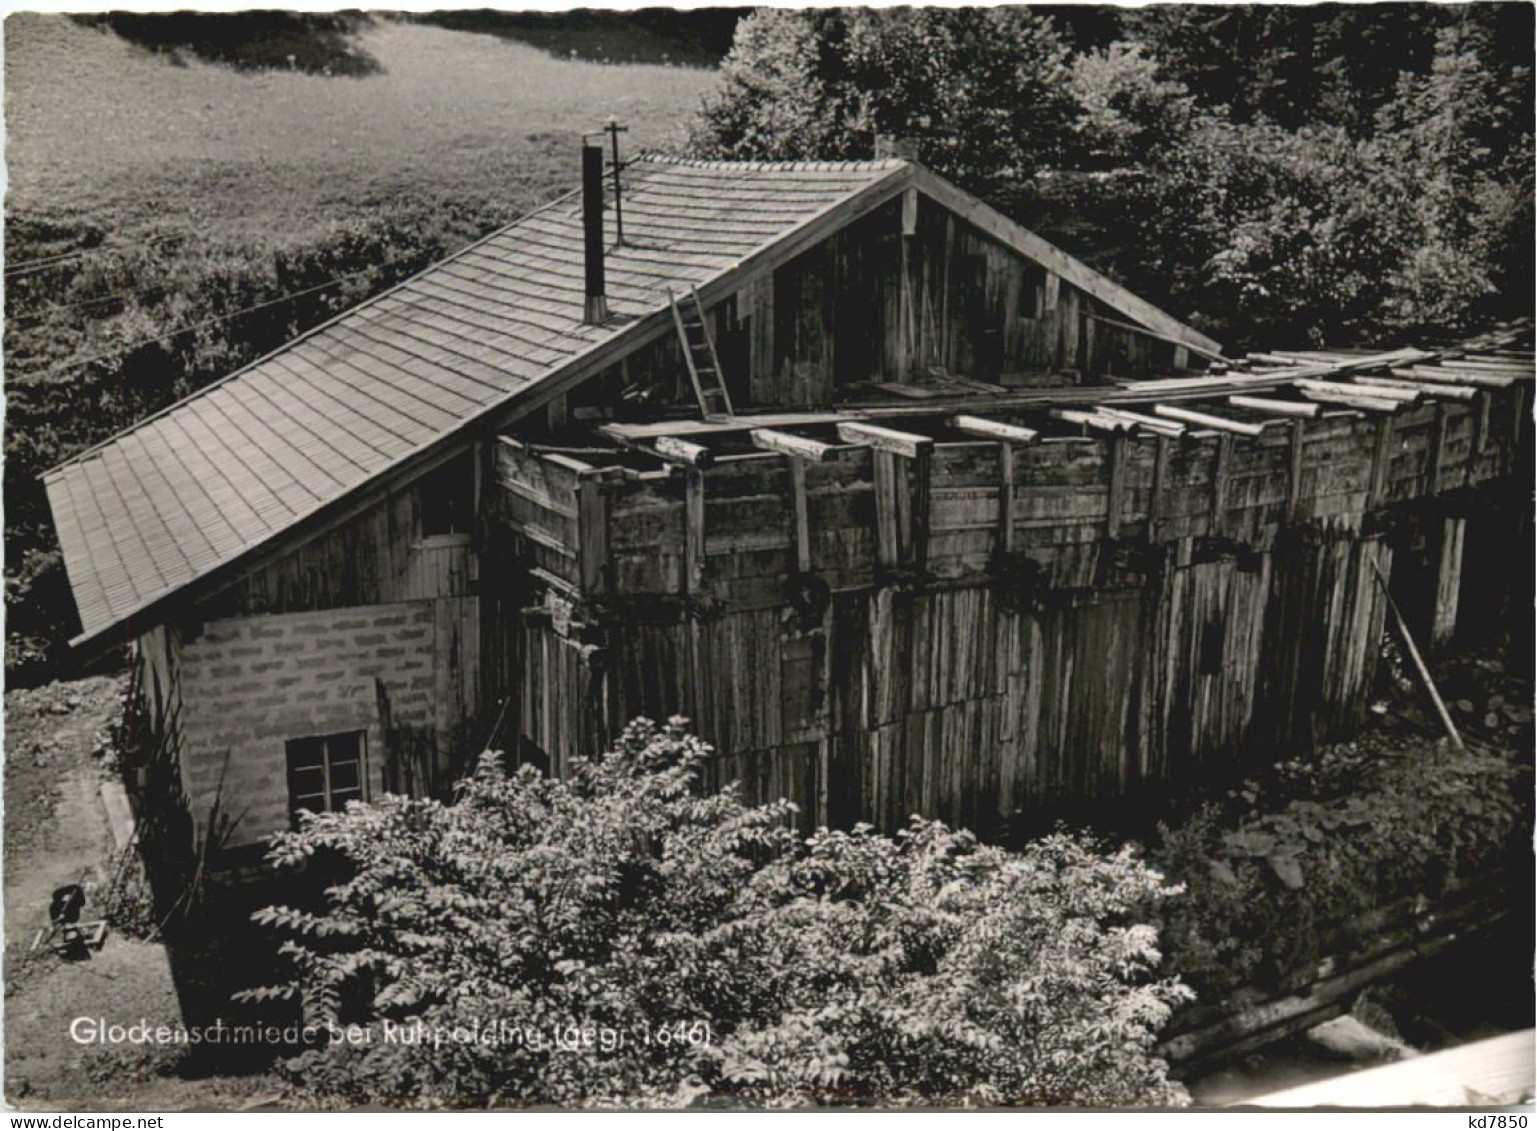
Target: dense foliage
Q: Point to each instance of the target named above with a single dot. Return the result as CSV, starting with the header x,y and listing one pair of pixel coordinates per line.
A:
x,y
1322,854
706,950
982,90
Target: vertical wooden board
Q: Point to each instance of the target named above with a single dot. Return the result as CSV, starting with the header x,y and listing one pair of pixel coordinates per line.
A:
x,y
741,672
887,489
693,531
803,558
1448,581
448,673
652,662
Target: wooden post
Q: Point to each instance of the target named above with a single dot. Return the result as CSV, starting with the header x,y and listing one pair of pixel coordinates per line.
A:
x,y
693,584
1221,458
884,465
1433,457
693,543
1160,480
802,522
1480,429
1294,482
1117,485
918,510
1381,456
1448,581
592,534
1005,497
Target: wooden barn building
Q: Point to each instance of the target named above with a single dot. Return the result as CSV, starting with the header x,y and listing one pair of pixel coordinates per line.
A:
x,y
906,509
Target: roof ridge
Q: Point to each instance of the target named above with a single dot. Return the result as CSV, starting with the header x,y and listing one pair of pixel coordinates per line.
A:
x,y
859,165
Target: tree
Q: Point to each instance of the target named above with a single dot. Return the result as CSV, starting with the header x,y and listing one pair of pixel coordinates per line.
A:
x,y
1127,108
982,91
708,950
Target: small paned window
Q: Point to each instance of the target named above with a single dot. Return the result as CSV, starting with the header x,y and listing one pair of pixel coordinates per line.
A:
x,y
325,772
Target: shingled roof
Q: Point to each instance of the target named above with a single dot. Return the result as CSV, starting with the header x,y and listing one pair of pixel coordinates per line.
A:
x,y
200,486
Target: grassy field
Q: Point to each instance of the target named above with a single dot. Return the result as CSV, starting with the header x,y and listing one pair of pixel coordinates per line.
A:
x,y
95,123
199,189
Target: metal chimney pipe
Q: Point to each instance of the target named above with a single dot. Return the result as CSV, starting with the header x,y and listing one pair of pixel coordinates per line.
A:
x,y
592,227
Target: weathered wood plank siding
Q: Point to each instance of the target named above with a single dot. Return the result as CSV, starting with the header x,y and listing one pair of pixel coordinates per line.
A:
x,y
1228,602
869,305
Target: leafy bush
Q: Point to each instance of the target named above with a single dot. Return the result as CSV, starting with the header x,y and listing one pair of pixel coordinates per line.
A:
x,y
1298,859
981,91
1256,171
708,951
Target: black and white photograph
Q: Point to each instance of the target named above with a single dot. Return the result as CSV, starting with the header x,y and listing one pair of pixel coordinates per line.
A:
x,y
812,559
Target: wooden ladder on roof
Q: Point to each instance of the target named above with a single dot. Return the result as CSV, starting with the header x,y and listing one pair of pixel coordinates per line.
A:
x,y
700,356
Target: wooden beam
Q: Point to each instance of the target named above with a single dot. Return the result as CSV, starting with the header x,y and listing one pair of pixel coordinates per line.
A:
x,y
1516,369
908,444
1299,409
789,444
1351,400
993,429
1138,420
1091,420
1182,350
1450,374
650,430
1425,388
1207,420
1402,396
674,450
